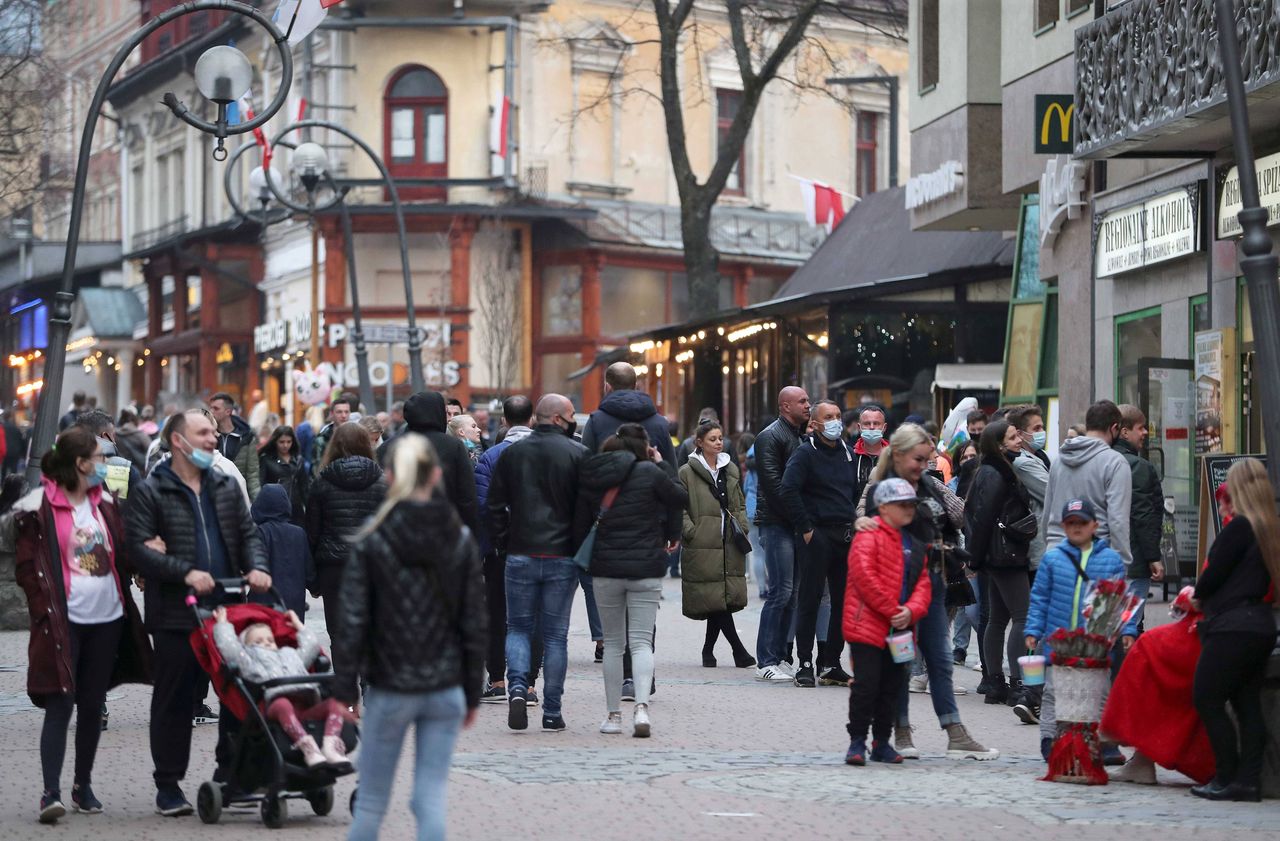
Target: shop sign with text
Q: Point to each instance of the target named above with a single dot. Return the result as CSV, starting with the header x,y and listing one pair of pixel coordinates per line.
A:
x,y
1229,204
1164,227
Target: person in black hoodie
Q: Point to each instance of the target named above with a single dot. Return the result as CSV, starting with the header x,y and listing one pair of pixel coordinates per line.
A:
x,y
236,441
413,623
424,413
348,490
629,560
286,546
623,404
818,488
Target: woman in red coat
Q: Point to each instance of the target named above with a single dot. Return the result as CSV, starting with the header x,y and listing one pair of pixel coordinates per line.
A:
x,y
888,591
86,634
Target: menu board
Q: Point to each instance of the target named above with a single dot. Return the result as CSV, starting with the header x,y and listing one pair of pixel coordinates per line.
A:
x,y
1213,475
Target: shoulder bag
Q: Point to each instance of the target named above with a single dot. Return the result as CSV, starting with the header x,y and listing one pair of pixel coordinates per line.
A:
x,y
740,541
583,556
1016,528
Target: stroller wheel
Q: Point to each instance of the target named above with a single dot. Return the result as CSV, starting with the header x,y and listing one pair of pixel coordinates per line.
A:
x,y
275,811
321,800
209,802
353,800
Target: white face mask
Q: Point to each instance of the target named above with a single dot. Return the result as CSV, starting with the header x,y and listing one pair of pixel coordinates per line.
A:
x,y
833,429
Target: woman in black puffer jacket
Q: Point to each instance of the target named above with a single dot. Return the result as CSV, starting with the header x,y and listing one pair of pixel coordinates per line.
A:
x,y
996,491
346,493
413,620
629,559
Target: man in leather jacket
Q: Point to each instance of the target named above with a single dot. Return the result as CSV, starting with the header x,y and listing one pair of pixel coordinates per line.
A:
x,y
186,526
532,498
774,446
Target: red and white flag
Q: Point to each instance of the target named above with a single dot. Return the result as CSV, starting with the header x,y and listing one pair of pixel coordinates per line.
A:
x,y
823,205
302,15
500,125
259,136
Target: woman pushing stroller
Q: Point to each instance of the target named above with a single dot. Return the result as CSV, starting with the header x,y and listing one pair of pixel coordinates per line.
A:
x,y
257,657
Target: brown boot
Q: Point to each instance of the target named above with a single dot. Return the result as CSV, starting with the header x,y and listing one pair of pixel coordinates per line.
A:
x,y
960,745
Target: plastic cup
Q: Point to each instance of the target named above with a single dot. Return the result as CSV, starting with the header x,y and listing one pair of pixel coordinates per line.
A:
x,y
902,647
1032,666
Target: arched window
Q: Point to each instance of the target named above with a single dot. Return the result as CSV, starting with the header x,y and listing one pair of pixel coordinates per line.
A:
x,y
416,123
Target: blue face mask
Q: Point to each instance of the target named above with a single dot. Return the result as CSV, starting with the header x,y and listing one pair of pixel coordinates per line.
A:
x,y
1039,439
98,476
200,459
872,436
471,445
833,429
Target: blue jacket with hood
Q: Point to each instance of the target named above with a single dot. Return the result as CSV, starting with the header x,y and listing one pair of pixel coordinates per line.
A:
x,y
628,406
286,544
1057,595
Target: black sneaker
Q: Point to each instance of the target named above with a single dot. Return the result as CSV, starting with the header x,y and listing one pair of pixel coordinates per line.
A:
x,y
1026,709
203,715
834,676
494,695
959,656
628,690
531,698
51,807
172,803
984,686
804,676
553,723
82,800
599,652
518,711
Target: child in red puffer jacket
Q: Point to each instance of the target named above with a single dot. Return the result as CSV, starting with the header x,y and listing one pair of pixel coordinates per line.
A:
x,y
887,593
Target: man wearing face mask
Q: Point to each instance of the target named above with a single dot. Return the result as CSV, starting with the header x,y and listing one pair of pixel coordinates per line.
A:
x,y
186,526
533,495
1032,466
818,491
1087,468
868,441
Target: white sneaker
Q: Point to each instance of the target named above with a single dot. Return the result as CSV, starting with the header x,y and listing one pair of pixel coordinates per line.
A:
x,y
789,668
957,689
612,725
773,674
977,667
640,721
918,684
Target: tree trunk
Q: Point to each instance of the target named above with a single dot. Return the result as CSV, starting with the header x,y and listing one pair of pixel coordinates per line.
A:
x,y
701,260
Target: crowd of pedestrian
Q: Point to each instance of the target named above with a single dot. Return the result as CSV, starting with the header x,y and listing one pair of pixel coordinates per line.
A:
x,y
447,550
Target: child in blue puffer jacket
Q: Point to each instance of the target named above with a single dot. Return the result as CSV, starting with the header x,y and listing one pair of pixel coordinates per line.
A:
x,y
1057,598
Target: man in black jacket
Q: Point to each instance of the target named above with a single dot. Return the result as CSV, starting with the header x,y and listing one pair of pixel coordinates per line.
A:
x,y
339,413
424,413
236,441
818,491
532,500
186,526
623,404
1146,511
774,446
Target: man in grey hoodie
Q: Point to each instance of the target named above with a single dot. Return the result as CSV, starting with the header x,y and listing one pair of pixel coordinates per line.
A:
x,y
1032,465
1087,468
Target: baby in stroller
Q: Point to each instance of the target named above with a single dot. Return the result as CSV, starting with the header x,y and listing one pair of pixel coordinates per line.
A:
x,y
255,653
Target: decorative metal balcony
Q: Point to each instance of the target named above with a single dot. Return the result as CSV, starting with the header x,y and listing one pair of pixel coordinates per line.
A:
x,y
1148,76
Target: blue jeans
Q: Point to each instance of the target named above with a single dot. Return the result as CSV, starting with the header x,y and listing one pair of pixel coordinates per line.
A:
x,y
934,643
778,613
542,588
757,561
593,612
437,719
967,621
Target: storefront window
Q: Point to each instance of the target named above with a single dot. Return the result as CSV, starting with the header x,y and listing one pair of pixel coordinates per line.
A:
x,y
1049,346
556,368
562,301
1029,284
679,307
1024,348
1137,337
631,299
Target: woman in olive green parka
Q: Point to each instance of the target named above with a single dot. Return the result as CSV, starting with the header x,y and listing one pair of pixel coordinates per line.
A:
x,y
713,570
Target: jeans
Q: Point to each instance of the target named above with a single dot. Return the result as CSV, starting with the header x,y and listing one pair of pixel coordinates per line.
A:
x,y
933,641
756,561
539,587
779,607
628,611
823,561
593,611
495,596
437,719
1010,597
966,621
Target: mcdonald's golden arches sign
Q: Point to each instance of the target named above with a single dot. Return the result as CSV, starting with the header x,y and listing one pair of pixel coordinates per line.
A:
x,y
1054,114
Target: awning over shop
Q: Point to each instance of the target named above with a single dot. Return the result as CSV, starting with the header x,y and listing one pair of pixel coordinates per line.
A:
x,y
111,311
968,377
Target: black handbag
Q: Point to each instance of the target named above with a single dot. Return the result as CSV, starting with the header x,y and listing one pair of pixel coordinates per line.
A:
x,y
740,540
958,592
1015,528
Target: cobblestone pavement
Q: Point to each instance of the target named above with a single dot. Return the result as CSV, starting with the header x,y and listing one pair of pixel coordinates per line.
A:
x,y
729,759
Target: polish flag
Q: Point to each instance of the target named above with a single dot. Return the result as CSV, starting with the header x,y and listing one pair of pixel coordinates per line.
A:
x,y
244,113
302,15
823,205
499,125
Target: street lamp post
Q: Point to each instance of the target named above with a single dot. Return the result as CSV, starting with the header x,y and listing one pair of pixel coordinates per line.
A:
x,y
314,166
222,74
1258,264
260,187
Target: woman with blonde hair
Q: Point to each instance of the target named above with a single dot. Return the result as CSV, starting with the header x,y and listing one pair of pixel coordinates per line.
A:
x,y
937,524
413,617
465,428
1238,632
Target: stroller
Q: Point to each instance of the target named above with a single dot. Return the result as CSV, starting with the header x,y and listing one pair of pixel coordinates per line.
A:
x,y
264,769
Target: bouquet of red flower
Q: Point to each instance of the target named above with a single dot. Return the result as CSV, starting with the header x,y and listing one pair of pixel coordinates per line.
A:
x,y
1081,677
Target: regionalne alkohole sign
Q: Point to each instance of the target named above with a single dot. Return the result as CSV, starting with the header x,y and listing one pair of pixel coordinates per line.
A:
x,y
1229,204
1164,227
